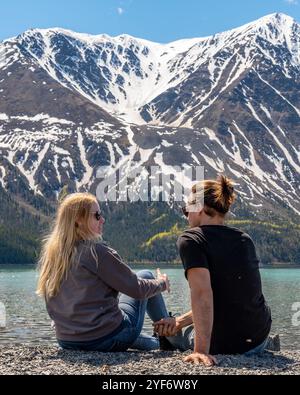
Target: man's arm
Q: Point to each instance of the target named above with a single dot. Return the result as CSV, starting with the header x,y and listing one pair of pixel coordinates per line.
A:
x,y
185,319
202,307
202,310
171,325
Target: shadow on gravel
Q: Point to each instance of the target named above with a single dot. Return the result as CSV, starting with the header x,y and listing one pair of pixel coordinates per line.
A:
x,y
96,358
266,361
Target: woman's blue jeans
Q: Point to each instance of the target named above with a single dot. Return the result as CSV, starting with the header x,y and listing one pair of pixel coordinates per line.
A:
x,y
130,335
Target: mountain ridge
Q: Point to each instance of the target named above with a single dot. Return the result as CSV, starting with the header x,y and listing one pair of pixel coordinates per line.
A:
x,y
228,102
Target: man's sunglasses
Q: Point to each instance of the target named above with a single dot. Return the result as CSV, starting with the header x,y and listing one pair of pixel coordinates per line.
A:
x,y
184,210
97,215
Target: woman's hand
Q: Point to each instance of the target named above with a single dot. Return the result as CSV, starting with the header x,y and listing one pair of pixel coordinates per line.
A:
x,y
163,277
166,326
197,358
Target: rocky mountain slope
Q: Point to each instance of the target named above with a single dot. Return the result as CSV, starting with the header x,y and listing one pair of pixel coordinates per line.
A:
x,y
72,102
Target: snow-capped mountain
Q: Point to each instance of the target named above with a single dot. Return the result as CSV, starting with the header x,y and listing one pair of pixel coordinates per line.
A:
x,y
70,102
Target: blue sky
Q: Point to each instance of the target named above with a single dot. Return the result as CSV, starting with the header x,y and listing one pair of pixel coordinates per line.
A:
x,y
156,20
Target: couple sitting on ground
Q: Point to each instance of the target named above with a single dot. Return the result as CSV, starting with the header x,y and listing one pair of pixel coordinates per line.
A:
x,y
98,303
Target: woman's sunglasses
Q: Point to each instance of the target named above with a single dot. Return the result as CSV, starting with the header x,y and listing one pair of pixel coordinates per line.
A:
x,y
97,215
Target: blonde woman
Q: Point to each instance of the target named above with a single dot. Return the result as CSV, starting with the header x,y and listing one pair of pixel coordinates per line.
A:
x,y
81,278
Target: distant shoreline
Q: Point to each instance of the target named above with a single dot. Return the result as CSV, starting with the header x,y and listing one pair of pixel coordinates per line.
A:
x,y
281,265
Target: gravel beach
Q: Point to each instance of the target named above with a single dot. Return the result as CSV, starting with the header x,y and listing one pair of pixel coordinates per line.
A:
x,y
48,360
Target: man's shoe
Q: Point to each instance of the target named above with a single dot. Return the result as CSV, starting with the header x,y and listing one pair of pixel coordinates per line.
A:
x,y
165,345
273,343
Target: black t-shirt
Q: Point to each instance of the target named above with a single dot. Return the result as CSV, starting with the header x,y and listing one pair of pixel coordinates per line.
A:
x,y
242,319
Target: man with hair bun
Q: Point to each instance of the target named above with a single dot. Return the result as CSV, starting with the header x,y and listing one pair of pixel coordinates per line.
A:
x,y
229,314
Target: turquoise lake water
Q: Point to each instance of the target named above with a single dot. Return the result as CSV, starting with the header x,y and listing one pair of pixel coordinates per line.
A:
x,y
28,322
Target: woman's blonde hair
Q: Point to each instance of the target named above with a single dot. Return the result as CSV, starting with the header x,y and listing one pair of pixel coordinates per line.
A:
x,y
217,195
58,248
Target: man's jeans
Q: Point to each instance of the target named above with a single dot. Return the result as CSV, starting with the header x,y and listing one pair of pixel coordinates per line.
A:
x,y
184,341
130,335
259,349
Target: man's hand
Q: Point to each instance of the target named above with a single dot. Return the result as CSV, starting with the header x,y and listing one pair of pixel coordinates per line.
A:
x,y
197,358
166,326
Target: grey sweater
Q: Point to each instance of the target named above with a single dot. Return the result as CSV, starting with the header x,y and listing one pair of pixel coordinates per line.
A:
x,y
86,306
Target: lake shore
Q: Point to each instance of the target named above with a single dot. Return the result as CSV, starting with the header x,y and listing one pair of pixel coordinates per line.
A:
x,y
51,360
